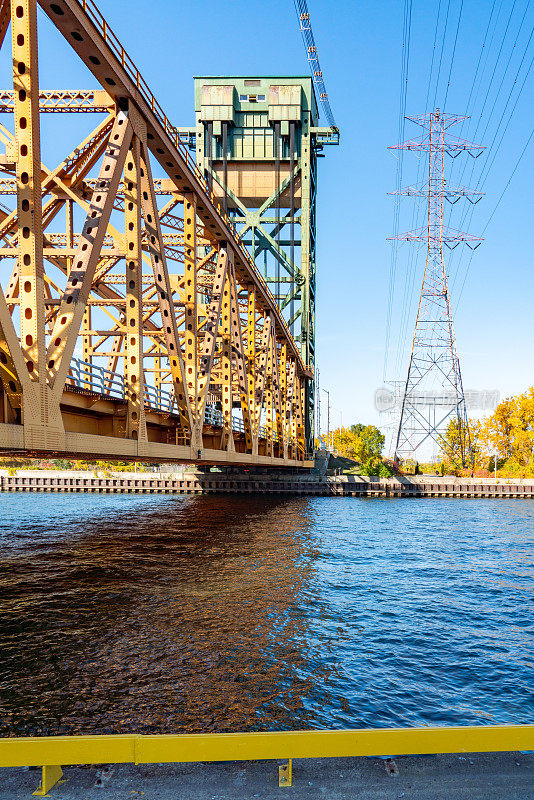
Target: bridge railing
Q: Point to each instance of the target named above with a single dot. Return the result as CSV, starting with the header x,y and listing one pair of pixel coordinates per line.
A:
x,y
99,380
102,381
159,399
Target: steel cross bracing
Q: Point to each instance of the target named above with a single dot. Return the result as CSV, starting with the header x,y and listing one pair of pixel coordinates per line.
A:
x,y
142,329
434,362
70,100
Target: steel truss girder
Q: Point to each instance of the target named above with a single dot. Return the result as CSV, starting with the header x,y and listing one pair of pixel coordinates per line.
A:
x,y
83,289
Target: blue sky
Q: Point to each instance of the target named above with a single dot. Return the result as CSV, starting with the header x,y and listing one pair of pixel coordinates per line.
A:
x,y
360,47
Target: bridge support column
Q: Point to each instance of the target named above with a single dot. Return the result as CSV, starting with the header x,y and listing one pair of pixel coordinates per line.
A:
x,y
227,438
133,351
251,367
191,319
43,426
285,410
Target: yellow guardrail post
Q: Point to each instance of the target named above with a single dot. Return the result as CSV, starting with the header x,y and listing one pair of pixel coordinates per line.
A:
x,y
50,776
285,774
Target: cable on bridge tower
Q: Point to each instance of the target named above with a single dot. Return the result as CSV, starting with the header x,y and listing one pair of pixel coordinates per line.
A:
x,y
303,13
434,352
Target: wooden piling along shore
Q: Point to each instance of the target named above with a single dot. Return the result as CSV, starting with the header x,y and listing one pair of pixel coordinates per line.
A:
x,y
235,483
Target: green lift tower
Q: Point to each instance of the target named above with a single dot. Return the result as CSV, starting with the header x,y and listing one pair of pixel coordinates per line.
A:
x,y
257,142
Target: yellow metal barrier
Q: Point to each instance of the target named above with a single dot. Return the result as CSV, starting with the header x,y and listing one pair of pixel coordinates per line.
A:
x,y
53,751
190,747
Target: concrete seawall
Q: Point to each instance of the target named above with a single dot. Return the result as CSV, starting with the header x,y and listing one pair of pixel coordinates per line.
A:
x,y
265,483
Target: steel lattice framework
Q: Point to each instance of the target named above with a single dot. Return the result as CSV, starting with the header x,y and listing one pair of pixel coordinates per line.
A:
x,y
434,359
143,328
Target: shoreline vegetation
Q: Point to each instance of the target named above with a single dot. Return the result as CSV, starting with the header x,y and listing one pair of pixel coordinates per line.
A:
x,y
505,437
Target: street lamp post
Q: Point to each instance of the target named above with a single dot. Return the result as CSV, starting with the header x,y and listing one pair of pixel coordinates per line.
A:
x,y
328,444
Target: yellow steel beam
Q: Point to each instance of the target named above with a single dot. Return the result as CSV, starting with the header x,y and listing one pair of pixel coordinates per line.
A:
x,y
213,316
261,371
29,206
5,16
80,277
150,749
227,438
239,354
163,286
191,314
251,360
279,381
133,361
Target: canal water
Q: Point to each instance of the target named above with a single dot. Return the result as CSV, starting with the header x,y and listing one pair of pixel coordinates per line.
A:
x,y
123,613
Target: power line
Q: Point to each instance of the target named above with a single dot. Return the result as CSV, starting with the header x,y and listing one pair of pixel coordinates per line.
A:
x,y
509,181
475,84
497,204
489,164
467,214
506,70
441,53
480,56
406,37
453,53
416,211
497,61
491,65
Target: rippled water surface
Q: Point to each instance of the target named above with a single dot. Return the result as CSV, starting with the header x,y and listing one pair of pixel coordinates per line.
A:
x,y
169,613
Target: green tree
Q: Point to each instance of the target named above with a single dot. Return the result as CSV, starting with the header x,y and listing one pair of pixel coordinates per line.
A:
x,y
363,443
372,442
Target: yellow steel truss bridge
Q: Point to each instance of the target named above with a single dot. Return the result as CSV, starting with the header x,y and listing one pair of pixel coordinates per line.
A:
x,y
133,322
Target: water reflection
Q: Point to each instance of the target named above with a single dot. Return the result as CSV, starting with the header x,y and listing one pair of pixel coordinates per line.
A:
x,y
184,615
168,614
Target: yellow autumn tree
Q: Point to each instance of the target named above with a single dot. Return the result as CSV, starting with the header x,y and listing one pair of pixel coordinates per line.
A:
x,y
451,446
509,432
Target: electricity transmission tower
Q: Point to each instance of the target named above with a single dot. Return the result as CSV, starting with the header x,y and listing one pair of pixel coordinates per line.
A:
x,y
434,360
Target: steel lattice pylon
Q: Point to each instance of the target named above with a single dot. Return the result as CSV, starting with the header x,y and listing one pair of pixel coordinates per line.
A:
x,y
434,358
